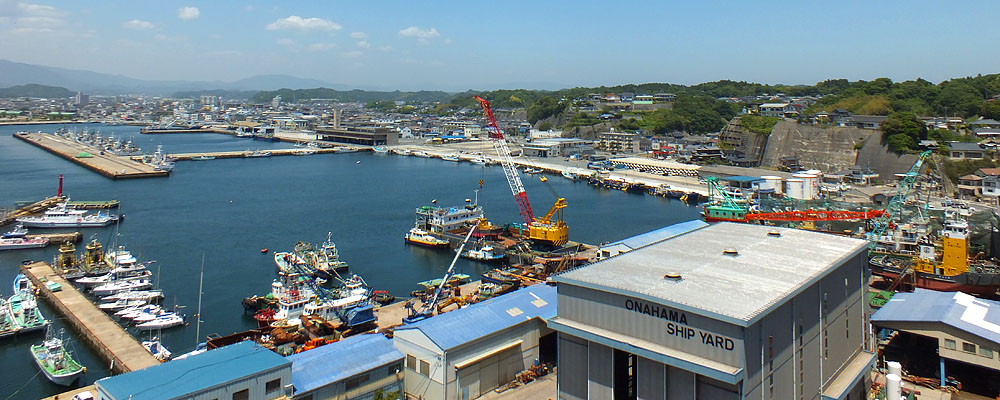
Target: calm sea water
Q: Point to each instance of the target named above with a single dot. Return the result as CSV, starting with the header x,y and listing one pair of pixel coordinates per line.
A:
x,y
228,209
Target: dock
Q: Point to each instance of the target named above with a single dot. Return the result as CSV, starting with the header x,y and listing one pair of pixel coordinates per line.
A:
x,y
109,165
243,153
34,208
59,238
93,205
154,131
391,315
120,349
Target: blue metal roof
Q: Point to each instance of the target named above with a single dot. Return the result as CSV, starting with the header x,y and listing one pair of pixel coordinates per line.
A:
x,y
455,328
976,316
341,360
182,377
661,234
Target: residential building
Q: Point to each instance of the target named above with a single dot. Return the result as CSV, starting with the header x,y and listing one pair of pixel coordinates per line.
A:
x,y
557,147
276,101
726,311
618,142
240,371
354,368
968,151
468,352
970,185
664,97
866,121
779,110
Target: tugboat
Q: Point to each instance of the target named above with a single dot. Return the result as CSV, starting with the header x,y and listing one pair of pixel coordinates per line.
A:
x,y
56,362
423,238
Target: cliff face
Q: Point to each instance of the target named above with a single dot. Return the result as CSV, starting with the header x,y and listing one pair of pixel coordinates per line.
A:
x,y
832,149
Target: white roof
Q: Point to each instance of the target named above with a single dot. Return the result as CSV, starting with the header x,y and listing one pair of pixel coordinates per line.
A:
x,y
655,163
772,105
736,288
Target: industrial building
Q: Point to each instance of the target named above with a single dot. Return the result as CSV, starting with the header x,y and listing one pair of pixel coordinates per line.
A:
x,y
354,368
363,135
557,147
726,311
467,352
960,330
642,240
241,371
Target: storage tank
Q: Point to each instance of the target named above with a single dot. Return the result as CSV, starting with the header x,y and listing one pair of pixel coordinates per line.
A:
x,y
772,182
795,188
810,185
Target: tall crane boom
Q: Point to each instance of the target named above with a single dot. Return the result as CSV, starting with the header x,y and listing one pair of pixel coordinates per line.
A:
x,y
895,206
500,144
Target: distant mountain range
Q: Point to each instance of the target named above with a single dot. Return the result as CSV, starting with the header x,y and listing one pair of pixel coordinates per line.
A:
x,y
15,73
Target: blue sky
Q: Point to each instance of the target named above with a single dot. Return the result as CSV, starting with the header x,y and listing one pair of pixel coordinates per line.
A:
x,y
457,45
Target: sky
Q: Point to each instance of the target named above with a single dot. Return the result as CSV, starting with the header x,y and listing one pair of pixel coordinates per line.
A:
x,y
459,45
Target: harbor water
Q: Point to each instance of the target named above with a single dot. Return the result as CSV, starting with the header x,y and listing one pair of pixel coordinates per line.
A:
x,y
229,209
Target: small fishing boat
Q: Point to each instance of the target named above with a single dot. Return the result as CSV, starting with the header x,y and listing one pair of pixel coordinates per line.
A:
x,y
56,362
380,149
22,309
478,161
530,170
421,154
23,243
304,152
148,295
164,321
202,158
484,254
122,286
256,154
157,349
450,157
19,231
423,238
122,304
22,283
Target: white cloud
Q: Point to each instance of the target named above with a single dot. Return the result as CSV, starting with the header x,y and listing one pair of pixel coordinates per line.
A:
x,y
38,9
321,46
188,13
138,25
352,54
364,44
298,23
358,35
418,33
43,23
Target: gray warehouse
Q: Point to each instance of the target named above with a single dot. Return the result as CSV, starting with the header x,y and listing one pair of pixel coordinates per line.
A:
x,y
726,311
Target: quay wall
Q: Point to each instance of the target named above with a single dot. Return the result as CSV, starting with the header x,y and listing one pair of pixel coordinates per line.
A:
x,y
92,165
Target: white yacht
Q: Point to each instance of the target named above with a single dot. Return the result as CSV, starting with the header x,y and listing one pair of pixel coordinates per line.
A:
x,y
62,216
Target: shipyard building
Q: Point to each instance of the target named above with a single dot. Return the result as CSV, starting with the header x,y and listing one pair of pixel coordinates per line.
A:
x,y
726,311
466,353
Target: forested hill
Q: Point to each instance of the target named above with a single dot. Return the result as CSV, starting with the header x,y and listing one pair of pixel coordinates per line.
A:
x,y
34,90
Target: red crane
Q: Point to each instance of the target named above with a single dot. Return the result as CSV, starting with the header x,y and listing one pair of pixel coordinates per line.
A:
x,y
815,215
500,144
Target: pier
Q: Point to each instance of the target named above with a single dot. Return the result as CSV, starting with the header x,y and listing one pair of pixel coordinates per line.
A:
x,y
33,208
59,238
243,153
109,165
120,349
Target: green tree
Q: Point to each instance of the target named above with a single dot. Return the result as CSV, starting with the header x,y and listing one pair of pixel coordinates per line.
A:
x,y
991,109
902,131
959,98
545,107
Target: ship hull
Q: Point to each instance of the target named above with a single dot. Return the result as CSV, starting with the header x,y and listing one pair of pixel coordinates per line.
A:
x,y
969,282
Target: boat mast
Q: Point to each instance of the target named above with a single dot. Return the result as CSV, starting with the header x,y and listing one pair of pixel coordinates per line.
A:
x,y
201,280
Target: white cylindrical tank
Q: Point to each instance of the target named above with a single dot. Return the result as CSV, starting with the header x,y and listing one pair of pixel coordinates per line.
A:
x,y
810,185
795,188
894,368
772,182
893,387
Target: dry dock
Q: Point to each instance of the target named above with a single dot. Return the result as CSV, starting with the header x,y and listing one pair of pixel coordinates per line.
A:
x,y
109,165
122,351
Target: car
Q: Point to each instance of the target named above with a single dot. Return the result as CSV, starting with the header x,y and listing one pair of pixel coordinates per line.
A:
x,y
84,395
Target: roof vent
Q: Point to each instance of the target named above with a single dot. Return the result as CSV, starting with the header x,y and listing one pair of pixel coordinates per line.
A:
x,y
672,276
730,252
774,233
